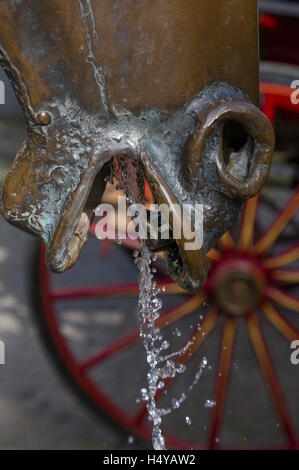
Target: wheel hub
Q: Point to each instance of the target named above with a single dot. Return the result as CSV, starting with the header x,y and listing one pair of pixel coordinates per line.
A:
x,y
238,285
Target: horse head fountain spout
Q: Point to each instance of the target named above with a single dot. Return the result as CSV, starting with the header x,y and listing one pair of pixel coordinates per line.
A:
x,y
150,80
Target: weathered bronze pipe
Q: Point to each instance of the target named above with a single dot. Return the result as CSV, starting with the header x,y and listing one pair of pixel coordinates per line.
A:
x,y
173,84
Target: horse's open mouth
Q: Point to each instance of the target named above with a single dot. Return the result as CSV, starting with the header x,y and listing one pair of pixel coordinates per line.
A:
x,y
187,268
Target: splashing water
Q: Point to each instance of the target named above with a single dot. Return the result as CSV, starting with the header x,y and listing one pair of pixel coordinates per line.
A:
x,y
210,404
188,420
149,306
162,366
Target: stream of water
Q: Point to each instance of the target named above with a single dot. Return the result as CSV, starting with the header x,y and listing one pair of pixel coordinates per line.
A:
x,y
162,365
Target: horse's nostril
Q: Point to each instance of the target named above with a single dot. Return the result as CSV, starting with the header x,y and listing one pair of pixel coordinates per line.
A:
x,y
247,143
238,149
234,136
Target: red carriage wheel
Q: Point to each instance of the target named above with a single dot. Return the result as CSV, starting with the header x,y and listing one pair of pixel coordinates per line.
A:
x,y
92,331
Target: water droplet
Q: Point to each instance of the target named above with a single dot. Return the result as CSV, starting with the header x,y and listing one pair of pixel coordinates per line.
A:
x,y
144,394
210,404
188,421
177,332
169,370
204,362
175,403
165,345
181,368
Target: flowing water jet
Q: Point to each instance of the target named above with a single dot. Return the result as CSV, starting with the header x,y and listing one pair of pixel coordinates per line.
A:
x,y
162,366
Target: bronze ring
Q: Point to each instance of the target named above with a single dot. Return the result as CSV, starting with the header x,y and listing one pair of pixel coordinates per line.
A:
x,y
258,127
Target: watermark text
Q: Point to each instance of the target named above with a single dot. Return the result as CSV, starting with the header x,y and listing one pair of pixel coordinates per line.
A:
x,y
2,92
295,93
295,354
157,222
2,353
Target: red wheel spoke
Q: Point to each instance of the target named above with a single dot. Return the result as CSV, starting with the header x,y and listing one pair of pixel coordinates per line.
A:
x,y
286,276
264,359
116,290
248,224
132,338
286,257
214,255
226,242
283,298
276,90
197,338
108,351
279,322
170,287
226,353
182,310
269,238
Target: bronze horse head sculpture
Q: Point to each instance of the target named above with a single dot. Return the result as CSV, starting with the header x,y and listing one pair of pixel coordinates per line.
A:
x,y
172,84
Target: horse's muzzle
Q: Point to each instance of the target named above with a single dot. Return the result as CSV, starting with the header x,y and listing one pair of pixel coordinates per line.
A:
x,y
98,80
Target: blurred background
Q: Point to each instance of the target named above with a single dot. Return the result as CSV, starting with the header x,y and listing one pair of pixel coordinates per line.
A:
x,y
74,367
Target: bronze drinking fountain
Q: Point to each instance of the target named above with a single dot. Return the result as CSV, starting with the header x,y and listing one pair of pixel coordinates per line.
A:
x,y
173,85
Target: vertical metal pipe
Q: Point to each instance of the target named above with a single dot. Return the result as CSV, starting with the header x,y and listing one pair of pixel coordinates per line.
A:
x,y
150,53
